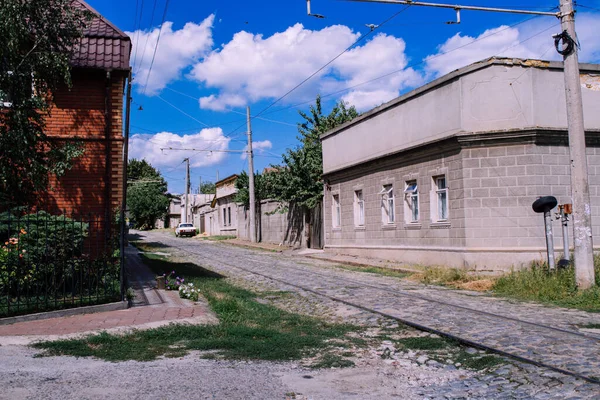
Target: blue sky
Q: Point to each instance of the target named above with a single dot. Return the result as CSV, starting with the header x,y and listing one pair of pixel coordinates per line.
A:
x,y
214,58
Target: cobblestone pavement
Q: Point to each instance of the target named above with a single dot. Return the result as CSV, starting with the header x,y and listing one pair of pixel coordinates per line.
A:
x,y
549,336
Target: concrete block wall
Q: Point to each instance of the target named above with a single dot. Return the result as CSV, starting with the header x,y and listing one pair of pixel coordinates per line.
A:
x,y
275,227
411,241
491,223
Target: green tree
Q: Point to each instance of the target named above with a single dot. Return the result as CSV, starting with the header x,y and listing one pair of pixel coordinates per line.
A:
x,y
242,184
147,198
299,179
208,188
38,38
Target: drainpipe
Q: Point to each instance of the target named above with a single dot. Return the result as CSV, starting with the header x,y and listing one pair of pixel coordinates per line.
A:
x,y
124,193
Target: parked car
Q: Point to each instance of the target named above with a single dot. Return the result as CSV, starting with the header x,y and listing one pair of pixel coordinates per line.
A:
x,y
185,229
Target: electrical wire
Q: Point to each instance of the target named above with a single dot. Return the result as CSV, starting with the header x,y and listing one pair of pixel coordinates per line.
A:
x,y
411,65
137,31
590,8
360,39
156,45
147,37
183,112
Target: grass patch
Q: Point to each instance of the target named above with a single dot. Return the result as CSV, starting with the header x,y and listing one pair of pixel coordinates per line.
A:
x,y
218,237
424,343
558,288
477,362
590,326
375,270
247,330
332,361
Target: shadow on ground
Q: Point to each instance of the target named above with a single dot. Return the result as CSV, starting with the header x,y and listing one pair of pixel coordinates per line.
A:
x,y
161,266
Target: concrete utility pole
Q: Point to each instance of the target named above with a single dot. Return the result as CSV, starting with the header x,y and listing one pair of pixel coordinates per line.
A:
x,y
251,180
187,189
580,193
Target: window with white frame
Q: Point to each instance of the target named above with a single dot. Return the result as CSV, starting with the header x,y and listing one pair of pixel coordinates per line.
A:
x,y
440,193
359,208
224,216
336,213
387,204
229,216
411,202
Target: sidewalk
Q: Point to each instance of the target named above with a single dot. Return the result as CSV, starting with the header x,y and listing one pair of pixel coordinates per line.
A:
x,y
152,308
325,256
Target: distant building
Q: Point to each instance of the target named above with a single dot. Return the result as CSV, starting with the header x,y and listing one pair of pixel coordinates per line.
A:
x,y
446,174
173,217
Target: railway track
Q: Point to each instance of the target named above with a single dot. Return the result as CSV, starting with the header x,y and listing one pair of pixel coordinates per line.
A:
x,y
549,350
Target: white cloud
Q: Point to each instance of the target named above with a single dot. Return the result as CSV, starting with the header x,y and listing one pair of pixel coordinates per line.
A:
x,y
250,67
177,50
258,147
148,147
522,42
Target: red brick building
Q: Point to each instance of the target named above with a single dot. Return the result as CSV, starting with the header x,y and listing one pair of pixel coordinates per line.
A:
x,y
91,111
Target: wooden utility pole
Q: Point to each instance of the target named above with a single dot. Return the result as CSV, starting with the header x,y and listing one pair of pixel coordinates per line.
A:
x,y
580,193
251,180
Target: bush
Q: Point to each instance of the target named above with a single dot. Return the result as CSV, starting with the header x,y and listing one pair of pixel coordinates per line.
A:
x,y
40,250
559,287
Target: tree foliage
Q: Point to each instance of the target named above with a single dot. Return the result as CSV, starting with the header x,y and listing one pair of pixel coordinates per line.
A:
x,y
38,38
147,198
208,188
299,179
242,184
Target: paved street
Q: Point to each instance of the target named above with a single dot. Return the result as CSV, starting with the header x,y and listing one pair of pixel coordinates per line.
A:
x,y
547,336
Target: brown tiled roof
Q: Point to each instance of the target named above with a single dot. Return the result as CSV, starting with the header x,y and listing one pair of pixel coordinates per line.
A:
x,y
103,46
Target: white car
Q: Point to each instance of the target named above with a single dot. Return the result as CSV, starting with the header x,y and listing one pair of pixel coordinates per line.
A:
x,y
185,229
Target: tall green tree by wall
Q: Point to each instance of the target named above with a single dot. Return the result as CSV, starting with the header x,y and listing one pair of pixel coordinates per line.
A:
x,y
37,39
299,179
147,198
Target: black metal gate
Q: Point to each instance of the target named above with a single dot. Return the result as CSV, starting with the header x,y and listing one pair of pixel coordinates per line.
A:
x,y
50,262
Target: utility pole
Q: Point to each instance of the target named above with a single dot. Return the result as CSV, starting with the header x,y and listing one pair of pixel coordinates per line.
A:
x,y
580,192
200,185
187,188
251,180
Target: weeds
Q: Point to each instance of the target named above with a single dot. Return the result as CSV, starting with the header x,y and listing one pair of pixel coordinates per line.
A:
x,y
424,343
332,361
558,287
218,237
376,270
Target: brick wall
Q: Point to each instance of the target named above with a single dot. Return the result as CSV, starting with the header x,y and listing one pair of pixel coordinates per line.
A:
x,y
95,183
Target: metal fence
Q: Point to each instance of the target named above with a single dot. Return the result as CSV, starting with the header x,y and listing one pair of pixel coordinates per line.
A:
x,y
51,262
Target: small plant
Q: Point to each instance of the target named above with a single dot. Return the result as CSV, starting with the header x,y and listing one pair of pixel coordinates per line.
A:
x,y
188,291
172,281
130,294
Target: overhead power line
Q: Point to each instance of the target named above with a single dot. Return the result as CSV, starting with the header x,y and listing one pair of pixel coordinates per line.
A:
x,y
360,39
147,37
156,45
411,65
137,30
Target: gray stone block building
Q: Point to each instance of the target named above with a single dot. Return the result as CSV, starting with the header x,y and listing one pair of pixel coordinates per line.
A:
x,y
446,174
